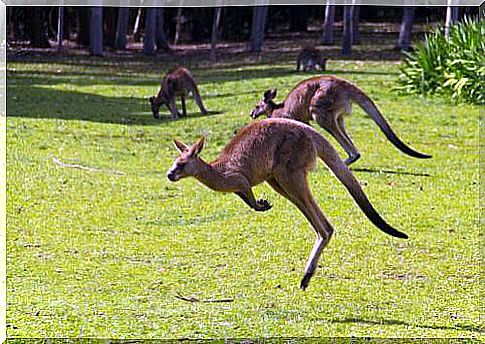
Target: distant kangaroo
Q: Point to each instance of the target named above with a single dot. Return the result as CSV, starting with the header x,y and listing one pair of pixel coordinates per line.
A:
x,y
309,59
280,152
177,83
326,99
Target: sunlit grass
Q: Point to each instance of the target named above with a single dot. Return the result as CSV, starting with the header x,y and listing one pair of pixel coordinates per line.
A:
x,y
98,254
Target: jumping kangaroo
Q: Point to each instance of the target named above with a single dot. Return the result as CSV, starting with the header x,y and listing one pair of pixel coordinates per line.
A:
x,y
177,83
310,58
326,99
280,152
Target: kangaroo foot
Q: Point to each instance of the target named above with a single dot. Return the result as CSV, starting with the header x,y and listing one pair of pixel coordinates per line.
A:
x,y
262,205
352,159
305,281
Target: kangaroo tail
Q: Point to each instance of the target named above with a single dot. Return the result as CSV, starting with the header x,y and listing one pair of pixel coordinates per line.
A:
x,y
331,158
368,106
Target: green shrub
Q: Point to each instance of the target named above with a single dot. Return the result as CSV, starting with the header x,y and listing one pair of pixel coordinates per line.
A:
x,y
454,67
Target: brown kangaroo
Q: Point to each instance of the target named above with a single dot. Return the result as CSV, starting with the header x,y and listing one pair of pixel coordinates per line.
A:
x,y
280,152
177,83
326,99
309,59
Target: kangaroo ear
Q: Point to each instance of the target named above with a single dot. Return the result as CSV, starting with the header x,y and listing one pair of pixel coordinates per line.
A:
x,y
270,94
197,147
181,147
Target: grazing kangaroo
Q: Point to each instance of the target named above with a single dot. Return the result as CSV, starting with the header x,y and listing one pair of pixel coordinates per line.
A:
x,y
326,99
280,152
177,83
309,59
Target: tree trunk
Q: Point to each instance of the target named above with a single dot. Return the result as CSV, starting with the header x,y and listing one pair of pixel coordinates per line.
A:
x,y
355,24
150,29
136,28
121,28
405,32
452,13
60,28
161,37
96,32
327,34
37,28
298,18
215,32
257,28
110,19
178,26
347,31
83,29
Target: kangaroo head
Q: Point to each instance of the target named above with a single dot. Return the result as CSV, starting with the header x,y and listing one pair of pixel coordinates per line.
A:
x,y
155,103
188,162
266,105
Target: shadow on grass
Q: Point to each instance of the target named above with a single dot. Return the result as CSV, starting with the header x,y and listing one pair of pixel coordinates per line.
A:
x,y
402,323
404,173
39,102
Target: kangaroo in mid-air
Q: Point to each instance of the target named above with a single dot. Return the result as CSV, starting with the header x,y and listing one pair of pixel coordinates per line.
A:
x,y
177,83
280,152
326,99
309,59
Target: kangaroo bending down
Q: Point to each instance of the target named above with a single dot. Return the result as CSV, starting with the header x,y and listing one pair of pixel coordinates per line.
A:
x,y
280,152
177,83
326,99
309,59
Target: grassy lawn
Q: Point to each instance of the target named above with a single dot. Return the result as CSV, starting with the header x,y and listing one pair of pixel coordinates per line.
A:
x,y
99,254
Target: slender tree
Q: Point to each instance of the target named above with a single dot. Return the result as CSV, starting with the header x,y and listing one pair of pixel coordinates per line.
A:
x,y
347,31
257,28
136,27
161,37
452,13
327,34
178,26
83,26
355,24
121,28
215,32
60,28
405,32
37,28
150,29
96,31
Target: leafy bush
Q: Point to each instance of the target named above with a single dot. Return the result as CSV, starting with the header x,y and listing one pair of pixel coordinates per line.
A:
x,y
454,67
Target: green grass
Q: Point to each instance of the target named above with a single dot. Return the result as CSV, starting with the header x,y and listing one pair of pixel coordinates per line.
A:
x,y
95,254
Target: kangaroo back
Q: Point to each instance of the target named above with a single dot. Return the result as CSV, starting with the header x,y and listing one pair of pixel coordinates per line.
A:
x,y
331,158
358,96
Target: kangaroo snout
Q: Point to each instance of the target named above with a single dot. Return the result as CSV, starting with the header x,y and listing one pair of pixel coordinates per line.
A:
x,y
172,176
254,114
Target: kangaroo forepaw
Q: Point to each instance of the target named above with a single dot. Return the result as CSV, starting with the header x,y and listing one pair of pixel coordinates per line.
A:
x,y
262,205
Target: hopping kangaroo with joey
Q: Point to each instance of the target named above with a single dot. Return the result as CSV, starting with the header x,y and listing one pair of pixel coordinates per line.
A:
x,y
178,82
309,59
326,99
280,152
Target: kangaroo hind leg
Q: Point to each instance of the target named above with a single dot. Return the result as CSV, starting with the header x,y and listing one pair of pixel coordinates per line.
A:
x,y
198,101
184,109
330,122
295,188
